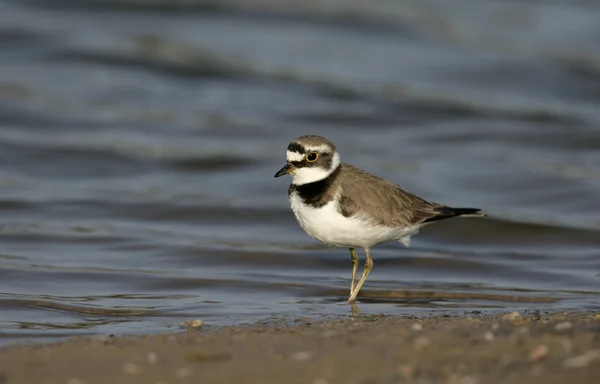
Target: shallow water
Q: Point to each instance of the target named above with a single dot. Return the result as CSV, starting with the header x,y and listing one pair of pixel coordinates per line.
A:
x,y
138,146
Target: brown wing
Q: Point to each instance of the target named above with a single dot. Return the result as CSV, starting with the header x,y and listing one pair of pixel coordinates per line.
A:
x,y
381,201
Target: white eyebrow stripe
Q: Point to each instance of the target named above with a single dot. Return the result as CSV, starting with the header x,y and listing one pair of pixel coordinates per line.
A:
x,y
294,156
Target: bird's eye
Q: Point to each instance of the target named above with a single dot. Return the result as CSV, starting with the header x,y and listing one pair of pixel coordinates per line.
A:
x,y
312,156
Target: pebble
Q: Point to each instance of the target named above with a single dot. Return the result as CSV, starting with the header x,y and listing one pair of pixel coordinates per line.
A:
x,y
564,325
511,316
582,360
416,327
131,368
538,353
192,325
183,372
302,356
152,357
489,336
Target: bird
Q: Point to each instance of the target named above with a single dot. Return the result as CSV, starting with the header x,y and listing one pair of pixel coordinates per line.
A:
x,y
343,206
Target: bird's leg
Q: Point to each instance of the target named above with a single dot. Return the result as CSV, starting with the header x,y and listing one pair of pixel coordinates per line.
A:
x,y
368,267
354,258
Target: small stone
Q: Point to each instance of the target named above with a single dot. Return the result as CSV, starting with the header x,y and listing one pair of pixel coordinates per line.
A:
x,y
421,342
538,353
152,357
183,372
582,360
302,356
416,327
511,316
131,368
489,336
563,326
321,380
192,325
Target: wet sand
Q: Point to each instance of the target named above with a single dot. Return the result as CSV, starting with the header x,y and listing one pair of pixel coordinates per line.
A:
x,y
474,348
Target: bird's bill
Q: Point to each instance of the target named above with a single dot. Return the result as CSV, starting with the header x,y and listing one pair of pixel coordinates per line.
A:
x,y
286,170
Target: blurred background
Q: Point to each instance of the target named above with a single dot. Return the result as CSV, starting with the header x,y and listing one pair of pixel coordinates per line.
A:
x,y
139,139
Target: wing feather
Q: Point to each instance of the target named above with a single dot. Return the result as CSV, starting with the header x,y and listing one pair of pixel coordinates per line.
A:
x,y
381,201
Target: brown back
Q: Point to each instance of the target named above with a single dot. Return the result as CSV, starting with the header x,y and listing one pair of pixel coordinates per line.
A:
x,y
380,200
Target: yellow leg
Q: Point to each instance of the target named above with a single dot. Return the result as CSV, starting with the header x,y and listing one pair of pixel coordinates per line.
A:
x,y
354,258
368,267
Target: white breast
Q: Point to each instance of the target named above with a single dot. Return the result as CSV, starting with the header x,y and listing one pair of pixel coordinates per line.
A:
x,y
329,226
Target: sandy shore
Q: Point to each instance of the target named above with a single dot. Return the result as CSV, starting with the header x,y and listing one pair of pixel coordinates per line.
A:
x,y
533,348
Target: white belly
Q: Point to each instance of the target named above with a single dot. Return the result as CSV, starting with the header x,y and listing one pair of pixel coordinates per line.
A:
x,y
329,226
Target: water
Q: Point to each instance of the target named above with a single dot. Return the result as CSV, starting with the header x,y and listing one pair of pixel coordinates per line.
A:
x,y
138,144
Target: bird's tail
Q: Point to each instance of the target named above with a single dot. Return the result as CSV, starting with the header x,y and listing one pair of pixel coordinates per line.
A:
x,y
449,212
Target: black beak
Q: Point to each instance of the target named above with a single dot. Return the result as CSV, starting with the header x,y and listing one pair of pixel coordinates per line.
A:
x,y
285,170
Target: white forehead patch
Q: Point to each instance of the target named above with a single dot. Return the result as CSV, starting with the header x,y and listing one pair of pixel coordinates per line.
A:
x,y
294,156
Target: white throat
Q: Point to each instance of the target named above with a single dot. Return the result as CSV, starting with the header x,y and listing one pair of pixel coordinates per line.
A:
x,y
308,175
